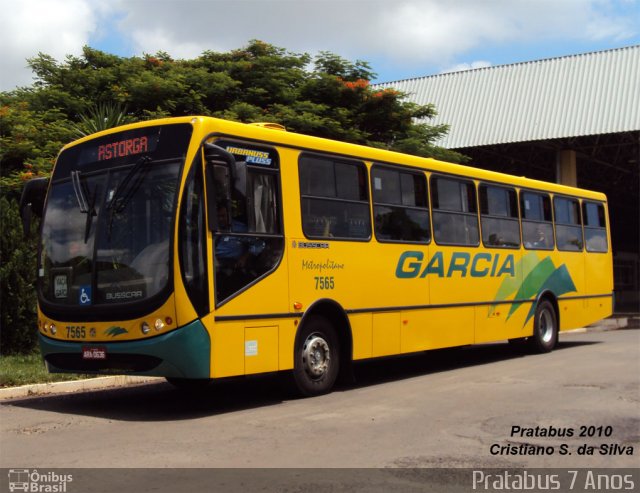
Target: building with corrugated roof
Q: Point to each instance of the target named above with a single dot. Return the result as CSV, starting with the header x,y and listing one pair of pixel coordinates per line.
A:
x,y
572,119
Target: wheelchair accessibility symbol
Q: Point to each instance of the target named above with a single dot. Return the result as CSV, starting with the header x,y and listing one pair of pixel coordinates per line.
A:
x,y
85,295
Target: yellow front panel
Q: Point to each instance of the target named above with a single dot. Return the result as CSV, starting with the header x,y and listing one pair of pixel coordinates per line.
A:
x,y
227,348
114,331
260,349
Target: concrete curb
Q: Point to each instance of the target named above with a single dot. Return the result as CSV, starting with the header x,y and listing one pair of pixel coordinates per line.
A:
x,y
74,386
614,323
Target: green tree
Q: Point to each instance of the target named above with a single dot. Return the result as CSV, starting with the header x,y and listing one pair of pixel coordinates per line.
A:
x,y
101,117
18,321
326,96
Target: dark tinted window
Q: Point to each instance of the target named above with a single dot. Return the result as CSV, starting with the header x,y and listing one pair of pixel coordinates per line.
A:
x,y
499,217
568,224
455,221
400,205
537,224
595,233
334,197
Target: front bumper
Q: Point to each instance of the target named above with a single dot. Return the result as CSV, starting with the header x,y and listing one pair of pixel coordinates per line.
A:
x,y
182,353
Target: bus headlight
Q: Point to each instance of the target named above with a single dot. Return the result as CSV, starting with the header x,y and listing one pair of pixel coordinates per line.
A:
x,y
159,325
145,328
53,329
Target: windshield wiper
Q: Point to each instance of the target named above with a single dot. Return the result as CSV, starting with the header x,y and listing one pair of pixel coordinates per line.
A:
x,y
91,213
80,189
126,189
128,186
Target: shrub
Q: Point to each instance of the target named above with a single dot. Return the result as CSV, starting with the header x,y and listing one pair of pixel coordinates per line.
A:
x,y
18,314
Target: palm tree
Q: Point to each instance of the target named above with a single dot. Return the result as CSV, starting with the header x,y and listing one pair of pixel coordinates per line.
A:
x,y
102,116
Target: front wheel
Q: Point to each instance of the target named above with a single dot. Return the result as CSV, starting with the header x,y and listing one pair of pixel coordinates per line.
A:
x,y
316,357
545,328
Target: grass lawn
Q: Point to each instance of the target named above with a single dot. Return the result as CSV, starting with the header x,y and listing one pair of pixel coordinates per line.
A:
x,y
26,369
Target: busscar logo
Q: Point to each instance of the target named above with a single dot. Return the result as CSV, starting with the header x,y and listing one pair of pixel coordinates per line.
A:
x,y
37,482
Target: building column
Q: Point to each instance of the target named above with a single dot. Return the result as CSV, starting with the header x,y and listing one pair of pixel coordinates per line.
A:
x,y
566,171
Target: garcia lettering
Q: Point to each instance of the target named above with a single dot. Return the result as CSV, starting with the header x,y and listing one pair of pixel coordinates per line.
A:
x,y
412,264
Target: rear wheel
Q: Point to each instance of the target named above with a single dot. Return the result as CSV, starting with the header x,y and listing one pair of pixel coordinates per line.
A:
x,y
316,357
545,328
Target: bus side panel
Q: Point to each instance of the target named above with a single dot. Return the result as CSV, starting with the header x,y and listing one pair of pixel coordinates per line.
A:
x,y
386,334
572,312
286,340
362,334
504,321
598,281
436,328
260,349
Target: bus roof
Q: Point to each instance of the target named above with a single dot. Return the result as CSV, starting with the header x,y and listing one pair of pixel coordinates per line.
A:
x,y
277,136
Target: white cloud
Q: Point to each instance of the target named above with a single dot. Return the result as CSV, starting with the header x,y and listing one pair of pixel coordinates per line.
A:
x,y
55,27
459,67
405,33
424,31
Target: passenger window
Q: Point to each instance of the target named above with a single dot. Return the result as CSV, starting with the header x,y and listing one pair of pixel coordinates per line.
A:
x,y
455,218
568,224
537,223
499,217
595,232
334,197
400,205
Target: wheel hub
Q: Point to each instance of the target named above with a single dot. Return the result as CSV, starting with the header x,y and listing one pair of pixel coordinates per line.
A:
x,y
316,356
545,322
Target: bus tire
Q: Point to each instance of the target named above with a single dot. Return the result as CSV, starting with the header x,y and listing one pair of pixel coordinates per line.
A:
x,y
316,357
545,328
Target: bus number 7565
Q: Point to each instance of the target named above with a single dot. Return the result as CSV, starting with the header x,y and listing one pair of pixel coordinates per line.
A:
x,y
324,282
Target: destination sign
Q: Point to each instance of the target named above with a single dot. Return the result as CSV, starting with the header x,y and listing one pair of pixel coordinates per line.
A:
x,y
127,144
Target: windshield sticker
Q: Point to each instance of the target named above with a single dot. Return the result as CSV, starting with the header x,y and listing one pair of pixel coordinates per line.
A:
x,y
85,295
251,156
60,286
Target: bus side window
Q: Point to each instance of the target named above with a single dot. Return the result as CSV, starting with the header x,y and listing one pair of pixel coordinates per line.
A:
x,y
499,217
595,227
568,224
400,206
334,198
455,218
537,223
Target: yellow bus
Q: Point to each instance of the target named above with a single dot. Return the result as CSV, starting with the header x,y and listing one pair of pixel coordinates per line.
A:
x,y
196,248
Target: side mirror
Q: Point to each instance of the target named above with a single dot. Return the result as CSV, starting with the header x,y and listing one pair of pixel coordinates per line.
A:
x,y
32,201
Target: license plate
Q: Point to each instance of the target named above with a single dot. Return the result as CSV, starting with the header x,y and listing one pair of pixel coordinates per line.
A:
x,y
93,352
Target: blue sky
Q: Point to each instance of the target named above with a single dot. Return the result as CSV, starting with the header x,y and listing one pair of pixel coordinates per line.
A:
x,y
400,38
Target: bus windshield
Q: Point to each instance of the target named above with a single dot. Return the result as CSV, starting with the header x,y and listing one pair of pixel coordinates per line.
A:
x,y
106,234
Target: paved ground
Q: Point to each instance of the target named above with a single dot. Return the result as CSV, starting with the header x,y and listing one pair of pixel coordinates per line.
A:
x,y
449,408
614,323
